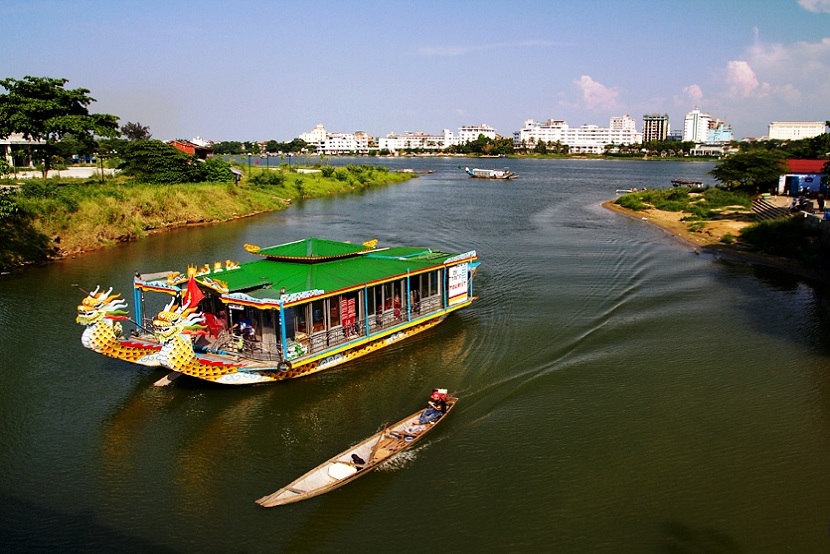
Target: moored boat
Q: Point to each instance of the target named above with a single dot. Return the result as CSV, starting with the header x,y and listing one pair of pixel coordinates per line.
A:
x,y
357,460
303,307
490,173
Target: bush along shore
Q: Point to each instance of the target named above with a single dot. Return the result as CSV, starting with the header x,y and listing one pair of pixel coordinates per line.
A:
x,y
45,220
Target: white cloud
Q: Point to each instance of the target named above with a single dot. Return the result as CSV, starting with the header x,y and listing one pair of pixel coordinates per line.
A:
x,y
742,81
597,95
693,93
815,6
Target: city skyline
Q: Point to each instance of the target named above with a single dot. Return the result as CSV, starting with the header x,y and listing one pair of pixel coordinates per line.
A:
x,y
265,70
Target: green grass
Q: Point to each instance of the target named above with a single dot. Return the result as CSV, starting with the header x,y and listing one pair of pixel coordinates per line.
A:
x,y
76,216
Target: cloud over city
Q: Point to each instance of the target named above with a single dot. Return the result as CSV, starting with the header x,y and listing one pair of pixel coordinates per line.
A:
x,y
597,95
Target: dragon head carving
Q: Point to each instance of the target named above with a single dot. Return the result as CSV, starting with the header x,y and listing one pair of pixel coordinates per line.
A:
x,y
100,305
174,320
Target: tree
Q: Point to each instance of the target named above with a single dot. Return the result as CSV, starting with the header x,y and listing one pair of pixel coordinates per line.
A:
x,y
754,171
43,110
154,161
135,131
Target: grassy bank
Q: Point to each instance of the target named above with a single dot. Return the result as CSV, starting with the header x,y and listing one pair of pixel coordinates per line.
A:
x,y
44,220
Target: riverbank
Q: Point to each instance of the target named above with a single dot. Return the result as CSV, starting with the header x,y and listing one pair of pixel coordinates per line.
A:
x,y
49,221
710,240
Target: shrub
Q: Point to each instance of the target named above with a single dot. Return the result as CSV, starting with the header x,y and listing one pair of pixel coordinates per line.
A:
x,y
39,188
214,170
267,178
631,202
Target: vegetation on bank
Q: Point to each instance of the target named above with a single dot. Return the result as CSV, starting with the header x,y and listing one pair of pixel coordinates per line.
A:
x,y
46,219
787,237
699,204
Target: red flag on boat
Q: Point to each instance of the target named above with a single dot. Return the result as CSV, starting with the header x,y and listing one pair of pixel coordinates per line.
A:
x,y
192,295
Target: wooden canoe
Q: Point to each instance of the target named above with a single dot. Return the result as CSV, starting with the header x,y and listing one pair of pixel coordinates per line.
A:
x,y
346,466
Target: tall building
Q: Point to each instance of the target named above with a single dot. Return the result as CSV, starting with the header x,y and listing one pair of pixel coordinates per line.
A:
x,y
696,126
655,127
795,130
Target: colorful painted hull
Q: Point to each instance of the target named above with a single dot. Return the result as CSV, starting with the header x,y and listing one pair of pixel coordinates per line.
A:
x,y
308,307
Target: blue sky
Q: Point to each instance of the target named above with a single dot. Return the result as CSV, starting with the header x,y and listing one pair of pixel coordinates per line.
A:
x,y
261,70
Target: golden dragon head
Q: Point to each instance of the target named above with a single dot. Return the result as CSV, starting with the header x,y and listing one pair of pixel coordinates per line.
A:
x,y
100,305
175,320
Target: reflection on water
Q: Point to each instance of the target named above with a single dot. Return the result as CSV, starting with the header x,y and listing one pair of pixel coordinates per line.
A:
x,y
618,392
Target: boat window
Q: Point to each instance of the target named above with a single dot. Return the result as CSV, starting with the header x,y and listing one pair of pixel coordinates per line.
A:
x,y
301,319
317,321
372,304
334,311
388,294
290,321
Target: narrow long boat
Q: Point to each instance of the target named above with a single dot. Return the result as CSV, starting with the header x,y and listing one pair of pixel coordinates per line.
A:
x,y
355,461
490,173
312,305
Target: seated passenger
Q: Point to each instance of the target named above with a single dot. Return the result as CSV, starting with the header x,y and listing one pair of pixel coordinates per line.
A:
x,y
436,407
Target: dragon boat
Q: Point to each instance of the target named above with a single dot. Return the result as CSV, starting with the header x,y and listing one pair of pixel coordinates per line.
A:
x,y
307,306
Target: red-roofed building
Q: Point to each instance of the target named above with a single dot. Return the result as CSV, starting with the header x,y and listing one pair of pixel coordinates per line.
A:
x,y
803,176
201,152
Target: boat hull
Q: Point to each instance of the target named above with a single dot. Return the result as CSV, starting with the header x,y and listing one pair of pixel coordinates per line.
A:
x,y
342,469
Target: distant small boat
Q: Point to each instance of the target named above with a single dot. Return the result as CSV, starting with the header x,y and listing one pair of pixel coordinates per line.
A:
x,y
490,173
686,183
355,461
624,191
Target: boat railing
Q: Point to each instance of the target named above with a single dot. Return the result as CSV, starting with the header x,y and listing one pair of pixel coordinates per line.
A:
x,y
430,304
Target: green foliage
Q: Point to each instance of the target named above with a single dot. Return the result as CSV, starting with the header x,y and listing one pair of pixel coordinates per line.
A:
x,y
341,175
719,198
42,109
267,178
700,211
728,238
135,131
154,161
754,171
228,147
631,201
214,170
699,206
788,238
8,205
697,226
5,168
39,188
327,171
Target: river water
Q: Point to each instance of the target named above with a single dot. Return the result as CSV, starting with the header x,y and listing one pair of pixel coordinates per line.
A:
x,y
618,392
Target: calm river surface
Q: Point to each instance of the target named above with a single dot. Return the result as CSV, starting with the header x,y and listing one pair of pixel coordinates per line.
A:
x,y
618,392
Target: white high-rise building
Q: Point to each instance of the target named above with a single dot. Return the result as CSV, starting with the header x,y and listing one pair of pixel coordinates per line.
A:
x,y
696,126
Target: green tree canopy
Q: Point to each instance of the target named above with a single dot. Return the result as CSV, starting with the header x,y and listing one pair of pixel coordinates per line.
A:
x,y
154,161
753,171
135,131
43,110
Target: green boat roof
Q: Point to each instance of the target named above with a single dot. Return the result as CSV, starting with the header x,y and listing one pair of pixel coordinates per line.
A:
x,y
321,267
311,250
